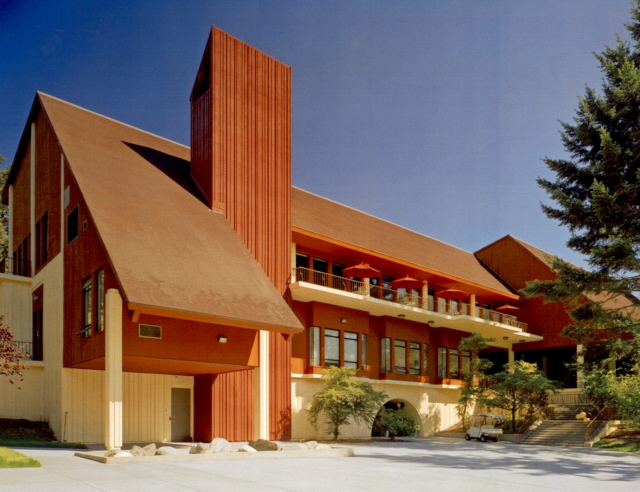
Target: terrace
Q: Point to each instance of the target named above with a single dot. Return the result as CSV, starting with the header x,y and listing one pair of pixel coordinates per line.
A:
x,y
312,285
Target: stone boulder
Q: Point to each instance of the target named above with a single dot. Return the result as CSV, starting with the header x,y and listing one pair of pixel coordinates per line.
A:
x,y
294,446
263,445
137,451
200,448
123,454
311,444
323,446
220,445
247,449
168,450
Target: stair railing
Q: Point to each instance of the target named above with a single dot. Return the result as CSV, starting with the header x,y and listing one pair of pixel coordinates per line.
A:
x,y
607,413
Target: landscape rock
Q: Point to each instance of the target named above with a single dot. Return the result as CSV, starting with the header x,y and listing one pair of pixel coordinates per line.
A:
x,y
123,454
149,450
247,449
112,452
311,444
294,446
323,446
137,451
220,445
200,448
167,450
263,445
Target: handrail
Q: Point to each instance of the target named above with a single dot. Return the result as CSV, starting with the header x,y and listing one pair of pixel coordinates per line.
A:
x,y
607,413
404,297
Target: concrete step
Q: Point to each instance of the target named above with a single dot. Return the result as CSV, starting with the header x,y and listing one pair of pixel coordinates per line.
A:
x,y
558,433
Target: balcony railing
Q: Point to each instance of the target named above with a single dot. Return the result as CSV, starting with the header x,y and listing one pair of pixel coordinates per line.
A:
x,y
436,305
27,349
15,266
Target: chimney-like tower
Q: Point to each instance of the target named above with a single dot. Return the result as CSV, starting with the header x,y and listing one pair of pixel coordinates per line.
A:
x,y
241,146
241,160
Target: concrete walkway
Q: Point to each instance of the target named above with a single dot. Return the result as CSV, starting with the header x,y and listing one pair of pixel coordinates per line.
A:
x,y
437,464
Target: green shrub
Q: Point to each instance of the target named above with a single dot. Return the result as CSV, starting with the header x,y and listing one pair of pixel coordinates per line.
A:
x,y
397,422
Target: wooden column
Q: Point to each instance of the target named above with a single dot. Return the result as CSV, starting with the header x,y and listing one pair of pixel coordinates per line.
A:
x,y
113,370
472,305
261,390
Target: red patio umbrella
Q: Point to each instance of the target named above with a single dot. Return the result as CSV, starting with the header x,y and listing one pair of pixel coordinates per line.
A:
x,y
452,294
407,283
361,270
507,307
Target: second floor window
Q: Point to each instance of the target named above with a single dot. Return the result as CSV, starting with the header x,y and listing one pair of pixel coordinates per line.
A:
x,y
331,347
408,357
87,307
100,301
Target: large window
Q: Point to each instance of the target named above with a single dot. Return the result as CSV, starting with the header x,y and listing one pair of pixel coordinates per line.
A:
x,y
465,361
454,372
87,307
331,347
400,357
314,346
350,350
442,362
385,355
407,357
100,301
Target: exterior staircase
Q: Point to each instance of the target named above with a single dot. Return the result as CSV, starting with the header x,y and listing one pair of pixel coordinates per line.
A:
x,y
562,429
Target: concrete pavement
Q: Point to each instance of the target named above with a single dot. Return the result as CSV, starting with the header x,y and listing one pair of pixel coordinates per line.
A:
x,y
439,464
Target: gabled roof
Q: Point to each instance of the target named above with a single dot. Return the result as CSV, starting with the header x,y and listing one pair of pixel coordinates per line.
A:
x,y
328,219
169,251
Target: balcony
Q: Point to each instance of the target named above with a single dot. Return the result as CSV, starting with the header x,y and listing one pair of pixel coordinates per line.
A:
x,y
15,266
310,285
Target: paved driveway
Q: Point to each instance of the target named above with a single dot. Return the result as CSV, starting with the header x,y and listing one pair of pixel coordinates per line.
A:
x,y
436,464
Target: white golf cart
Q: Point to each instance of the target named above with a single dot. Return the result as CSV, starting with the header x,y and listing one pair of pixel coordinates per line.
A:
x,y
485,426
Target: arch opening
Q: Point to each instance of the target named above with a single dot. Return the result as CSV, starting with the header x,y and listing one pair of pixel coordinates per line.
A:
x,y
394,404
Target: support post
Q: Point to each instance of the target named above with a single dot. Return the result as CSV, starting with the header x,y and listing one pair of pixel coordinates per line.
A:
x,y
261,389
512,355
113,370
472,305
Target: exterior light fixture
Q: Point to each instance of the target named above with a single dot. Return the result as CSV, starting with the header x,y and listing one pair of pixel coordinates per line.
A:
x,y
343,320
222,339
401,316
521,341
36,297
431,322
505,338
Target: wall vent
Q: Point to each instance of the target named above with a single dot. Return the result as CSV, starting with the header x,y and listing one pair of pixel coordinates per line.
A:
x,y
149,331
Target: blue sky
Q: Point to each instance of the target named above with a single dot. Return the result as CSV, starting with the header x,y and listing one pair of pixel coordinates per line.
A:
x,y
431,114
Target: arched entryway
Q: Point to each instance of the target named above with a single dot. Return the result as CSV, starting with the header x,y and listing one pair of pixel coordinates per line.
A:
x,y
395,404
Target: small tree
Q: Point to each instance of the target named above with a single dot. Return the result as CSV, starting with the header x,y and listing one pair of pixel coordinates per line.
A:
x,y
342,398
11,357
474,376
520,389
397,422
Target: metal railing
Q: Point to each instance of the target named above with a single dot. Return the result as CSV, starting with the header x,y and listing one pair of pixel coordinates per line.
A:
x,y
438,305
27,349
607,413
15,266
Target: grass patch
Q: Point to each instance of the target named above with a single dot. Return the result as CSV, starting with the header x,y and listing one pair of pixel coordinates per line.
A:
x,y
12,459
27,443
613,445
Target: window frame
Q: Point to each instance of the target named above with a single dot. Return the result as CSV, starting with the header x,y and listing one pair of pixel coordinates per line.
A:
x,y
87,307
100,302
76,211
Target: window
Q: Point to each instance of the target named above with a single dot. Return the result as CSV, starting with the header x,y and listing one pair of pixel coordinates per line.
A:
x,y
336,269
100,301
314,345
414,358
350,349
302,265
442,362
331,347
72,225
425,366
87,307
465,361
363,349
385,355
454,372
400,357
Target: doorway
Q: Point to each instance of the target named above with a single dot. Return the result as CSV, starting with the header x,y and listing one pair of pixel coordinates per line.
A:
x,y
180,414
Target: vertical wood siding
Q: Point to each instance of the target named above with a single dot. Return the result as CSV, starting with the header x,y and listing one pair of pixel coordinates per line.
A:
x,y
146,403
224,406
241,160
